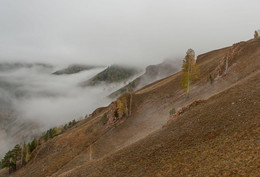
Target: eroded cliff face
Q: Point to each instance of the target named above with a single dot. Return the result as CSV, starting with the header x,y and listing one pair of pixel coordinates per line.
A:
x,y
230,58
238,53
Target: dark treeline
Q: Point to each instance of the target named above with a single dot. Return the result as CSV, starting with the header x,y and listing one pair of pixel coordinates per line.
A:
x,y
22,153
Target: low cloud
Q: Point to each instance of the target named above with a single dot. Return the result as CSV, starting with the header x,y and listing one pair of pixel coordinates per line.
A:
x,y
49,100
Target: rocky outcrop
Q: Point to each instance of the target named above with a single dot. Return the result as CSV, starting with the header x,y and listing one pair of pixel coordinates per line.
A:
x,y
229,59
186,108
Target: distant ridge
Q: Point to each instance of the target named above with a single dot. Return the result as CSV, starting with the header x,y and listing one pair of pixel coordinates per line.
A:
x,y
112,74
73,69
152,73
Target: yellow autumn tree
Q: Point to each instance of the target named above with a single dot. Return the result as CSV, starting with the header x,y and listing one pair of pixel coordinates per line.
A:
x,y
122,105
27,157
190,71
120,108
256,35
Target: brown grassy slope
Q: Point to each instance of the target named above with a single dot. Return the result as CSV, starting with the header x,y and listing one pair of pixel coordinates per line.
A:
x,y
153,102
59,151
151,106
219,137
148,115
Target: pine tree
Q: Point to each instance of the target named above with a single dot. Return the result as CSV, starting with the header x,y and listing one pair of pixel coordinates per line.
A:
x,y
23,154
9,161
32,145
190,71
16,155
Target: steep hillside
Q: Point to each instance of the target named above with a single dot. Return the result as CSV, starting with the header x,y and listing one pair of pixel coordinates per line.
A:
x,y
152,73
219,136
111,74
213,117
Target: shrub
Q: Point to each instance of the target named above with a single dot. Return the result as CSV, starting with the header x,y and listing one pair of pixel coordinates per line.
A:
x,y
172,111
104,118
116,114
211,78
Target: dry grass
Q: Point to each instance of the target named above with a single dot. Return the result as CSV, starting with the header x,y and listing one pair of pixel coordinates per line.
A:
x,y
219,137
213,138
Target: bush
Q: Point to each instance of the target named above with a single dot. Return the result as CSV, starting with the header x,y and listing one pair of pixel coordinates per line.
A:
x,y
211,78
172,111
104,119
116,114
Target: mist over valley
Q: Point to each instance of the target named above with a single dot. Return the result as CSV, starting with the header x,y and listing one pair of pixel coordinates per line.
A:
x,y
34,98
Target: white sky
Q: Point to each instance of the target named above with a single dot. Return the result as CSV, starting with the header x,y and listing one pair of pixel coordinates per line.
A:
x,y
121,31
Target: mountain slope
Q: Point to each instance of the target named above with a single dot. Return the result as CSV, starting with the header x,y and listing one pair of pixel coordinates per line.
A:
x,y
111,74
152,73
73,69
139,144
219,137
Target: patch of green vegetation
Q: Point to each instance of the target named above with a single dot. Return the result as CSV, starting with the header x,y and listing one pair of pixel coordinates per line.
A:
x,y
104,118
72,69
50,134
24,152
172,111
113,74
211,78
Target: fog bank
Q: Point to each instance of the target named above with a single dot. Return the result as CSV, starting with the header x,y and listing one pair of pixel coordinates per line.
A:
x,y
43,100
138,32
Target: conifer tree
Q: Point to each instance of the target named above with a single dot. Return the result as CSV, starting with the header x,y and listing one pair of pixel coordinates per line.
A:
x,y
17,154
32,145
190,71
23,153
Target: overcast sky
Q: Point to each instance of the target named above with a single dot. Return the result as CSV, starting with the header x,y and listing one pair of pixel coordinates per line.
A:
x,y
121,31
